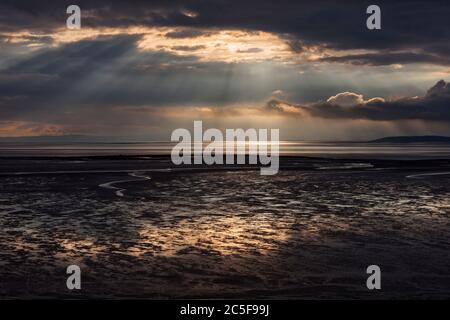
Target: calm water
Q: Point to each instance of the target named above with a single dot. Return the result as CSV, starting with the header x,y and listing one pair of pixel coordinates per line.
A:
x,y
314,149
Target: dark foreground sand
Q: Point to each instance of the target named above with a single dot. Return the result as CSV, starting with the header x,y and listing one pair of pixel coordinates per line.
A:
x,y
139,230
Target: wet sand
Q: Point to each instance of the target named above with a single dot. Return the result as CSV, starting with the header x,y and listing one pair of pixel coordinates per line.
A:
x,y
140,228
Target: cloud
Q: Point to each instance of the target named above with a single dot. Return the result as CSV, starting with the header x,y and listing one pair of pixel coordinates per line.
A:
x,y
440,90
388,58
278,93
97,75
346,99
80,79
187,33
434,106
250,50
284,107
412,31
187,48
350,99
28,128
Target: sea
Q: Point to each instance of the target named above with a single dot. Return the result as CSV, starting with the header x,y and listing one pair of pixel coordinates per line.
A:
x,y
351,150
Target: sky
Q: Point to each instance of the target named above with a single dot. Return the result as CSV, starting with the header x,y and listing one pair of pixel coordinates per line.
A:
x,y
141,69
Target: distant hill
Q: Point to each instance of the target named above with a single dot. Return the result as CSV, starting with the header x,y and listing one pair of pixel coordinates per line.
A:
x,y
413,139
61,138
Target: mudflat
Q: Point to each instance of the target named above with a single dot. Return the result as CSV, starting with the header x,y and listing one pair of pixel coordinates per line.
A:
x,y
140,227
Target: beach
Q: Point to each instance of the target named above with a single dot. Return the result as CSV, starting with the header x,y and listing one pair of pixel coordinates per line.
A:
x,y
140,227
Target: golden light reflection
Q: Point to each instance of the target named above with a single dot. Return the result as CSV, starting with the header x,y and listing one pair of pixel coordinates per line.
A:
x,y
72,248
225,235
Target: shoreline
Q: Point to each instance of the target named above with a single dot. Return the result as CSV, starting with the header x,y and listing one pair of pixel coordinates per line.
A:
x,y
126,165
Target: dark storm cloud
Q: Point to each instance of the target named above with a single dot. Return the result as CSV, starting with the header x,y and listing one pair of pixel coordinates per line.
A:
x,y
378,59
433,106
407,25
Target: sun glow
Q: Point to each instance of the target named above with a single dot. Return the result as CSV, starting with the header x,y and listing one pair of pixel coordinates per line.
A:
x,y
210,45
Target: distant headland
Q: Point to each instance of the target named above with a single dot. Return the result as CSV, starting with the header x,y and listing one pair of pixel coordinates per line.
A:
x,y
413,139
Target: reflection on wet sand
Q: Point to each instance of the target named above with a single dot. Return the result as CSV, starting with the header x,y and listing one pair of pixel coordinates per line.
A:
x,y
227,235
299,234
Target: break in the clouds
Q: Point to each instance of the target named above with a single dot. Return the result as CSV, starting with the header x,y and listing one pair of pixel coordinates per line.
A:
x,y
146,67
